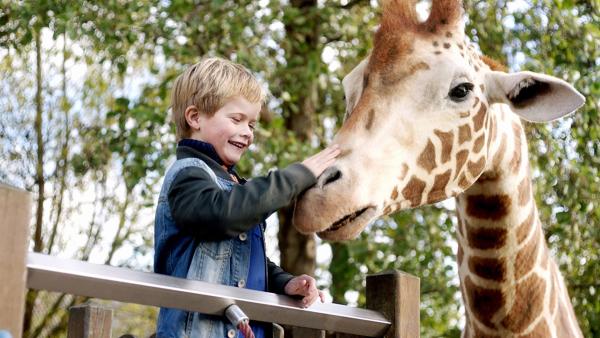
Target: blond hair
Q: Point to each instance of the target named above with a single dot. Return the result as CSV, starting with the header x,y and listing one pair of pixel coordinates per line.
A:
x,y
207,85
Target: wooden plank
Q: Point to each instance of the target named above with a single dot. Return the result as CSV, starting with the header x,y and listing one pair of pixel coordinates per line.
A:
x,y
89,321
15,216
397,296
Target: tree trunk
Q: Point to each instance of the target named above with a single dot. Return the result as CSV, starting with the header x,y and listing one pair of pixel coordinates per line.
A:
x,y
298,251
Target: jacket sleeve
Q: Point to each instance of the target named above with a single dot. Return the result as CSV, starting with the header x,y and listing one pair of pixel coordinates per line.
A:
x,y
278,278
199,206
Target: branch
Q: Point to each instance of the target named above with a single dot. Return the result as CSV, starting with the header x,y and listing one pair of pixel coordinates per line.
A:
x,y
64,155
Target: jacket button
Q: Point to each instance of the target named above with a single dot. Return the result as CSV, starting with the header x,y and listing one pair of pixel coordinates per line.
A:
x,y
231,333
243,236
242,283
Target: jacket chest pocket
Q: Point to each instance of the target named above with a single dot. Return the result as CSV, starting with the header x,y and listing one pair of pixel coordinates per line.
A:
x,y
212,262
217,250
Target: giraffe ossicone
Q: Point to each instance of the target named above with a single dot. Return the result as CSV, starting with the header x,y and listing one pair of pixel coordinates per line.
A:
x,y
427,119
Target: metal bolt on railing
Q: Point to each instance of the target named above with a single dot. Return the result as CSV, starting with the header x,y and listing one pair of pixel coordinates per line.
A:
x,y
238,318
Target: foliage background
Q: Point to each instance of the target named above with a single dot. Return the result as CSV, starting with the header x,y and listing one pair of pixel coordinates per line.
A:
x,y
84,126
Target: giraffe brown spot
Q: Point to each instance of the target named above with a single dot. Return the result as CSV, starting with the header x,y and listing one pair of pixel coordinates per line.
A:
x,y
387,210
478,119
459,255
475,168
476,68
446,139
464,183
478,143
482,87
541,330
464,133
394,193
526,226
483,303
370,117
524,191
413,191
492,207
489,176
476,102
464,113
529,300
499,153
438,191
460,46
435,44
486,238
446,45
488,268
427,157
437,52
448,34
527,256
461,158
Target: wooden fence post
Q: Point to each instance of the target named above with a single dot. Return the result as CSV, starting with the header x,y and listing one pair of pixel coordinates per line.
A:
x,y
89,321
397,296
15,216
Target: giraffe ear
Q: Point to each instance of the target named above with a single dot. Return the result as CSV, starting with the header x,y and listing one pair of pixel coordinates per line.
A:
x,y
353,86
533,96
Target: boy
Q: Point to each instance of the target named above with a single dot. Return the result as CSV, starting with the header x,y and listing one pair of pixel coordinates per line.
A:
x,y
209,221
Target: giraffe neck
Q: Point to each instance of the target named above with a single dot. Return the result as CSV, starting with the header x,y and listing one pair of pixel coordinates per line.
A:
x,y
510,284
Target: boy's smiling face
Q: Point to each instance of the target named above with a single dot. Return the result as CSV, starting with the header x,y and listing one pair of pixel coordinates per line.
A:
x,y
230,130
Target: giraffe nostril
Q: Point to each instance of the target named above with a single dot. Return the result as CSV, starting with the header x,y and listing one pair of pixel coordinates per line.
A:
x,y
330,175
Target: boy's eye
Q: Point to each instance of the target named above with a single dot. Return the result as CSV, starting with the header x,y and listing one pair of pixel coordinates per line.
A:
x,y
252,126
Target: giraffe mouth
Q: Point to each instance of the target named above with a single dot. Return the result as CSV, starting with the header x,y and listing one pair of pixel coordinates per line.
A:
x,y
342,222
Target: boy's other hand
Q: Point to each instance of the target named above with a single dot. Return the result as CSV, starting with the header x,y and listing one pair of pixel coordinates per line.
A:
x,y
322,160
304,285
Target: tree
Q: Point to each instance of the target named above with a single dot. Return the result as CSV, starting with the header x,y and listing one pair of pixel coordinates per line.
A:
x,y
105,138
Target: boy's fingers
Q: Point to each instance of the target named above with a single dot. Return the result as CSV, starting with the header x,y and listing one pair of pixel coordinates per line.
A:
x,y
320,296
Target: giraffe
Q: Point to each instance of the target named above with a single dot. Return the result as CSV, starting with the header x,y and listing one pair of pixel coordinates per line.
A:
x,y
427,119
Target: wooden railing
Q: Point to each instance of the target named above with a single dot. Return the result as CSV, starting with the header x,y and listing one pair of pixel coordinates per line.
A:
x,y
392,298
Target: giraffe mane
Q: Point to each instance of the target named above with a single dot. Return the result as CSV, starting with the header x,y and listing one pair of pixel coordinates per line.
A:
x,y
493,64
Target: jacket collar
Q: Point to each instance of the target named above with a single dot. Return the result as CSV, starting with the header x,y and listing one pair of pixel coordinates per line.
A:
x,y
206,152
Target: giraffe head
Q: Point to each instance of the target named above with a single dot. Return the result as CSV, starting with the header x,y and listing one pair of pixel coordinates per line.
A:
x,y
418,126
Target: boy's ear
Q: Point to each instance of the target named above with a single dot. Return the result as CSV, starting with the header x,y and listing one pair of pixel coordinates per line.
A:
x,y
192,117
533,96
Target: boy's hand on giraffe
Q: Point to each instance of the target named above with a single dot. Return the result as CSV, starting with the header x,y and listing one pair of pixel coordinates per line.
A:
x,y
322,160
304,285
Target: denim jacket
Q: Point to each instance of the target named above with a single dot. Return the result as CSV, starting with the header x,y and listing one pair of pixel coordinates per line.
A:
x,y
181,254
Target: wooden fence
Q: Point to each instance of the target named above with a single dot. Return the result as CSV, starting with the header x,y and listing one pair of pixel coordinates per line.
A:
x,y
392,297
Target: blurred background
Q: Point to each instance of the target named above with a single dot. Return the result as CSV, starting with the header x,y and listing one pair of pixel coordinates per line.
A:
x,y
84,126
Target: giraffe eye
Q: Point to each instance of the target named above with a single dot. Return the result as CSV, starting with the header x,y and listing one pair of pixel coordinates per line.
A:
x,y
461,92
